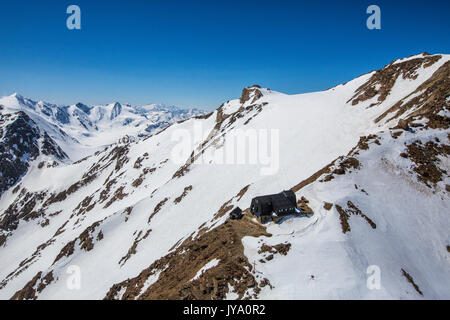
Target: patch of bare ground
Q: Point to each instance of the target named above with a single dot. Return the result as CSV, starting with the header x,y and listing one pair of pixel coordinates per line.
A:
x,y
426,160
204,116
138,162
23,207
303,204
136,183
104,194
339,166
146,171
54,198
85,240
313,177
327,206
45,222
411,280
119,154
184,194
383,80
116,157
363,143
29,291
178,269
396,134
426,101
184,168
2,239
133,248
34,286
242,192
250,92
26,263
127,212
117,196
16,189
157,208
85,205
242,112
100,235
344,216
61,229
54,214
344,165
448,248
270,251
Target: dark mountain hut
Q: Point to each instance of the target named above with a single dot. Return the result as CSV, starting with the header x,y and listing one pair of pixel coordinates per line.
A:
x,y
275,205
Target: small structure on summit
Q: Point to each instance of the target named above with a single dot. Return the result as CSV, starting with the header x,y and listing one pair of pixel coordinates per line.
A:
x,y
275,206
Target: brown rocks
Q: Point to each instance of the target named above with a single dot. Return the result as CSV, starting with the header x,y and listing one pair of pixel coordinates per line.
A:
x,y
251,92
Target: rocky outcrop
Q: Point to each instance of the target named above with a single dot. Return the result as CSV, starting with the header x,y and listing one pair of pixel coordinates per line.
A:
x,y
251,94
21,141
381,83
180,272
428,100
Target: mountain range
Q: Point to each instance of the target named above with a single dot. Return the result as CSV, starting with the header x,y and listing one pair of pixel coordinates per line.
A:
x,y
74,132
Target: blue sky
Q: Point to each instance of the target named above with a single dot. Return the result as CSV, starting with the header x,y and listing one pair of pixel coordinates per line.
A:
x,y
202,53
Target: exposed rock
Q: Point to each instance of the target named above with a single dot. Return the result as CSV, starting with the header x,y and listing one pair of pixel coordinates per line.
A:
x,y
34,286
427,101
344,216
85,241
411,280
426,160
157,208
19,145
133,248
383,80
178,269
327,206
403,124
185,192
249,93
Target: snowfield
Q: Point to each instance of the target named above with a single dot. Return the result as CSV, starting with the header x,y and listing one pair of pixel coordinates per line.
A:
x,y
369,158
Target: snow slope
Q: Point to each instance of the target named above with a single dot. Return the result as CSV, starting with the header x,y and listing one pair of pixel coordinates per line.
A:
x,y
411,233
139,223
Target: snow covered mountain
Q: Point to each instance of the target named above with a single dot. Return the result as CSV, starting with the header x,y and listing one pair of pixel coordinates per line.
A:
x,y
81,130
30,130
369,161
22,141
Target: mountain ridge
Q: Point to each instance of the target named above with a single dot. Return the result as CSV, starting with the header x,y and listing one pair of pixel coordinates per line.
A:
x,y
79,130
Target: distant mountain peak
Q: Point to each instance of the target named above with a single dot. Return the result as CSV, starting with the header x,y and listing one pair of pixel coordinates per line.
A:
x,y
83,107
116,110
252,93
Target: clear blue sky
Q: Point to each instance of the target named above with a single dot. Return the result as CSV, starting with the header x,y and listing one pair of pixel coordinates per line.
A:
x,y
202,53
